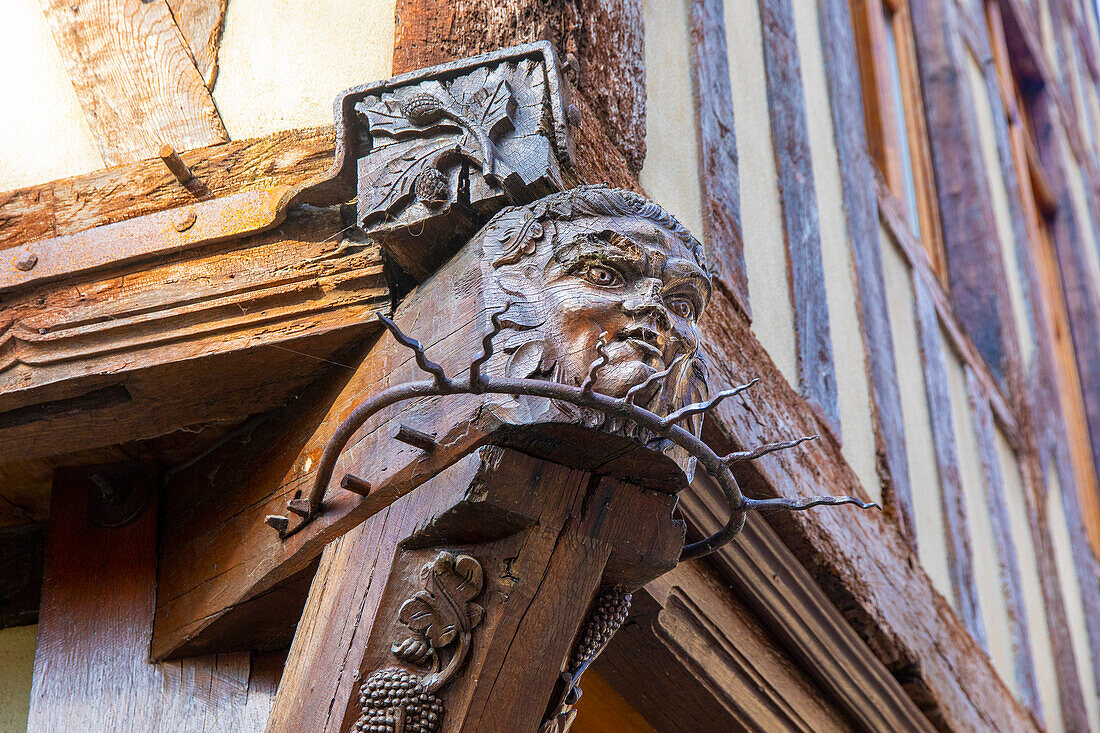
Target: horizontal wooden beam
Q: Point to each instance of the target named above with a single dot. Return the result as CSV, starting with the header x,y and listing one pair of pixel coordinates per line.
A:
x,y
71,205
137,348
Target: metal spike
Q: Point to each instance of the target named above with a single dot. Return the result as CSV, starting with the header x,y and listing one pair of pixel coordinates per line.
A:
x,y
477,380
632,393
355,484
763,450
697,407
598,364
277,522
415,438
301,507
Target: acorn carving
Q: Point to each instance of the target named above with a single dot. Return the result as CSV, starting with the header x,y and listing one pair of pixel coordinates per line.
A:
x,y
421,109
431,188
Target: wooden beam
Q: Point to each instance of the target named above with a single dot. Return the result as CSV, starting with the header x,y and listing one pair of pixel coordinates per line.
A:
x,y
789,602
135,347
94,626
602,44
791,138
718,176
201,22
569,535
721,667
71,205
975,271
134,76
953,500
1006,547
861,215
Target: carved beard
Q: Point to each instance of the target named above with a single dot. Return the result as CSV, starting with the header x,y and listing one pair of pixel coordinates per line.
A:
x,y
529,358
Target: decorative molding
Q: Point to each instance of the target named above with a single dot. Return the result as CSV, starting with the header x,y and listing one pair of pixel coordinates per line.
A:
x,y
440,616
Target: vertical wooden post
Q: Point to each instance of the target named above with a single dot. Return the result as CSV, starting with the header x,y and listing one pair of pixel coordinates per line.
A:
x,y
91,664
547,538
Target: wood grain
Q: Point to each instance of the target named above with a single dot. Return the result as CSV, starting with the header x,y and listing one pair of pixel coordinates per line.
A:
x,y
790,135
953,501
694,656
134,77
604,39
93,637
1007,554
74,204
861,215
540,575
975,270
201,22
718,176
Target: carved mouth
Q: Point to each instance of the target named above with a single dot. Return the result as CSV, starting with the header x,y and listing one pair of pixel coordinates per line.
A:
x,y
645,339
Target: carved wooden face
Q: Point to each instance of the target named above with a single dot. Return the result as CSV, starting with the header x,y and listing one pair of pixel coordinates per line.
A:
x,y
628,277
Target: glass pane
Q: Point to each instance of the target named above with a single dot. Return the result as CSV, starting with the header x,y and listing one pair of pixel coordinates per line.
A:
x,y
909,191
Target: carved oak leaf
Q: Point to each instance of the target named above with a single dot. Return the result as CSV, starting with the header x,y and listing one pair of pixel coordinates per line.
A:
x,y
445,610
398,166
431,127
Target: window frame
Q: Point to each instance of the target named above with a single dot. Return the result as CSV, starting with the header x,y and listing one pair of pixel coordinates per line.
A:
x,y
872,20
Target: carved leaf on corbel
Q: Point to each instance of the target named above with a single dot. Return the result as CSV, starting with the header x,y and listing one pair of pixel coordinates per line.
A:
x,y
444,609
401,166
431,126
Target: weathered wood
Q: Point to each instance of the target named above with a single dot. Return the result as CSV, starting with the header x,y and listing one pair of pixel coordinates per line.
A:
x,y
604,41
953,500
790,135
221,512
134,76
93,636
569,535
1002,532
718,176
974,266
135,348
74,204
788,601
861,215
694,657
858,559
201,22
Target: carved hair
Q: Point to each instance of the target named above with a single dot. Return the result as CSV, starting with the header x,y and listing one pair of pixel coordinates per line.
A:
x,y
579,203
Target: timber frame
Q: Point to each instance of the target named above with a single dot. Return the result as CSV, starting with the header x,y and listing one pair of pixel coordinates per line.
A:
x,y
822,587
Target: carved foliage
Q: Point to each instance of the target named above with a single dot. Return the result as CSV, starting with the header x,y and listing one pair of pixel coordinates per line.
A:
x,y
440,619
477,138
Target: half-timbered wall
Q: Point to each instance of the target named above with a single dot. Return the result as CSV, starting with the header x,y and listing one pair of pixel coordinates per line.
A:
x,y
987,561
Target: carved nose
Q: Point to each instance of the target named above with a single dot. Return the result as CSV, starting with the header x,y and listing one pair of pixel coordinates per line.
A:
x,y
646,301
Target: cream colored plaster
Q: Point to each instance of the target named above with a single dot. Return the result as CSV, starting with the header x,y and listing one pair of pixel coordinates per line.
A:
x,y
1046,32
1001,208
670,174
983,548
282,62
1042,656
16,665
761,215
1071,596
43,132
858,444
923,474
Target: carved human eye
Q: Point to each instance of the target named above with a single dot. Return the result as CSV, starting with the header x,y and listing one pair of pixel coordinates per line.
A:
x,y
682,307
605,277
